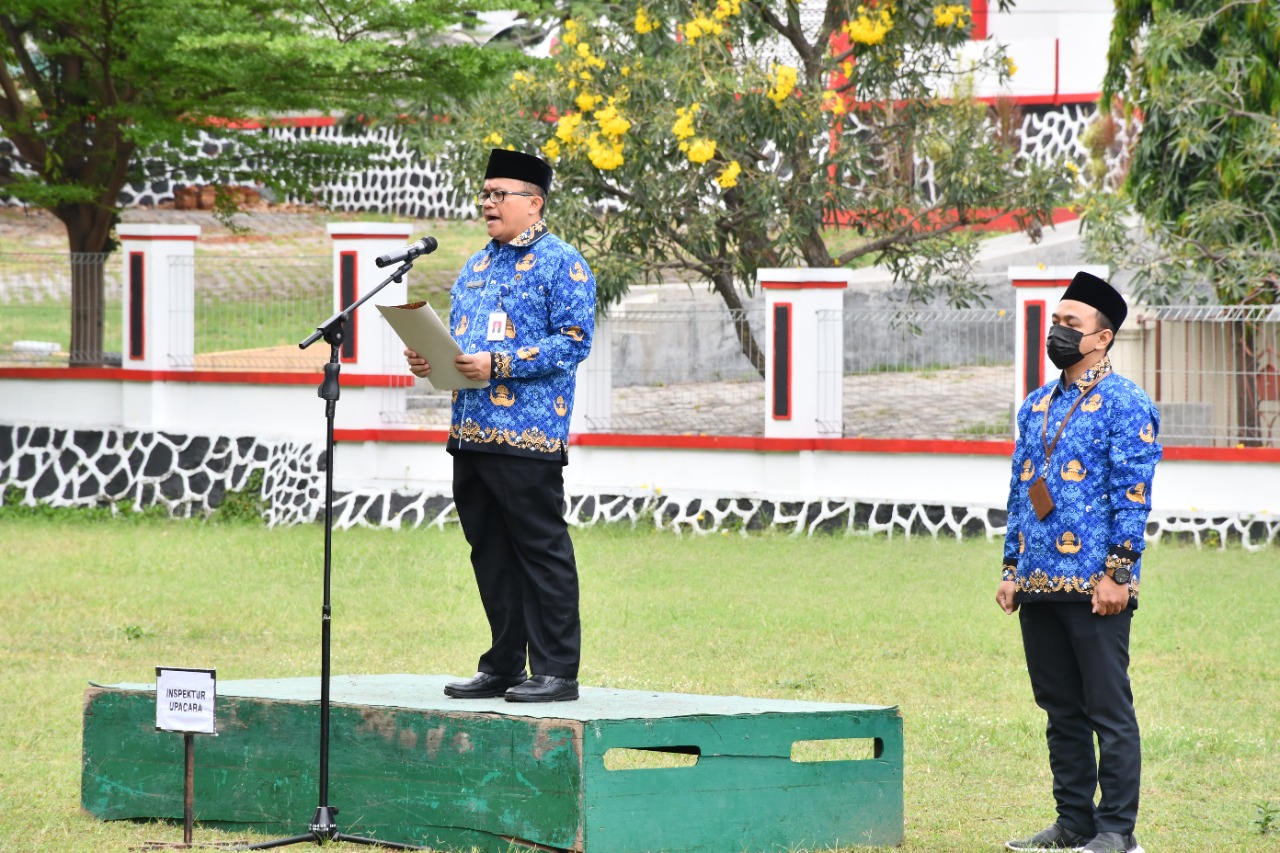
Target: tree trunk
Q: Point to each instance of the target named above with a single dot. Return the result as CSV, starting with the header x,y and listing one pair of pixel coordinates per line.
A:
x,y
723,282
89,238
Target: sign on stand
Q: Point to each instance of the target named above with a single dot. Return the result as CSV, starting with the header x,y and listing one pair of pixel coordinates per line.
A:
x,y
185,702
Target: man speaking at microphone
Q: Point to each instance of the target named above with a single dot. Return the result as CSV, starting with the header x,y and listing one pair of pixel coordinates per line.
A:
x,y
523,312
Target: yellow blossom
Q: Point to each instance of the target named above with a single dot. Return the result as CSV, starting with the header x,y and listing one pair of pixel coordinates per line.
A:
x,y
699,27
626,70
948,15
728,177
1073,168
683,128
586,75
605,155
611,124
587,102
784,82
567,127
644,24
869,28
521,77
552,149
701,150
493,139
570,34
834,102
727,9
1010,66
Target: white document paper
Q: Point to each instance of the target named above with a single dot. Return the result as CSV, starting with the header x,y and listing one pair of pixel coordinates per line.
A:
x,y
421,330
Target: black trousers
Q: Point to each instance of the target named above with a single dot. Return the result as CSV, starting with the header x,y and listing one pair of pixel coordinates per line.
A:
x,y
1079,668
512,513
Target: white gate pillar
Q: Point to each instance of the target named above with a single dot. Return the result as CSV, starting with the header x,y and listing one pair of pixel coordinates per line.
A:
x,y
1037,292
593,391
370,345
159,296
804,351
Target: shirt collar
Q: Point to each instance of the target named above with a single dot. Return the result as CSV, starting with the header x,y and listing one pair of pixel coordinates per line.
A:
x,y
530,235
1090,376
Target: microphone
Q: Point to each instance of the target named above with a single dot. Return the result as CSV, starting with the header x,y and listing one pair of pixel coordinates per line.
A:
x,y
425,246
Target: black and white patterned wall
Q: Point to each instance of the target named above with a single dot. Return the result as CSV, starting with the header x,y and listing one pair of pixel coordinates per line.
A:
x,y
190,476
400,181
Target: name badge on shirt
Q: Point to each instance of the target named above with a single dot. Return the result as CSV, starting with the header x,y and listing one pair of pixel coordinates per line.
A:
x,y
497,325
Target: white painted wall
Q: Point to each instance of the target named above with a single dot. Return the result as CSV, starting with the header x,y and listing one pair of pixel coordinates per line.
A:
x,y
1047,37
1181,487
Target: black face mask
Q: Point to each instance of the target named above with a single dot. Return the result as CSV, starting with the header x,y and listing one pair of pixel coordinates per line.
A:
x,y
1063,344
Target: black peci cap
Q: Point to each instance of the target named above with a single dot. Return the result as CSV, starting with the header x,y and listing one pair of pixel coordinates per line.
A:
x,y
519,166
1097,293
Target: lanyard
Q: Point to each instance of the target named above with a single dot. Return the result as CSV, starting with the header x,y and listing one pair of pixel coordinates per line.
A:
x,y
1044,430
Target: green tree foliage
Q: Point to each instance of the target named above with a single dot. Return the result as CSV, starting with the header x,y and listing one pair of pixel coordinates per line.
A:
x,y
86,88
1199,83
711,139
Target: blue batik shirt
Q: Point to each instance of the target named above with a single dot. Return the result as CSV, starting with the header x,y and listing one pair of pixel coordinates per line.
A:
x,y
548,294
1099,477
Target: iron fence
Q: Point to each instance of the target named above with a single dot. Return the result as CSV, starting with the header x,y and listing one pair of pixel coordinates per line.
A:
x,y
694,368
686,369
1213,372
36,308
249,312
934,373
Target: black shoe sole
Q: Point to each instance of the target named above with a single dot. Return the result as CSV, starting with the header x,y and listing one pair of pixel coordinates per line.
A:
x,y
559,697
454,691
488,694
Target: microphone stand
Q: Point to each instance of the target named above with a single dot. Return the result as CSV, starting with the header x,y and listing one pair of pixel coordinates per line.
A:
x,y
323,826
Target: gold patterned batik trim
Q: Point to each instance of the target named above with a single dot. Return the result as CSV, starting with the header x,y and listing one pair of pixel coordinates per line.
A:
x,y
502,365
1039,583
1116,561
530,235
531,438
1094,374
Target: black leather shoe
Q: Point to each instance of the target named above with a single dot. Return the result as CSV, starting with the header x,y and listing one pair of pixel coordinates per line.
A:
x,y
544,688
484,686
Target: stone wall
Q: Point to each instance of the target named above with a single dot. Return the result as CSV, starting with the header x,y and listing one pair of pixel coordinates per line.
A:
x,y
190,476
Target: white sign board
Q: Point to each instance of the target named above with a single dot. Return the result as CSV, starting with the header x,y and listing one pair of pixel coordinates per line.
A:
x,y
185,700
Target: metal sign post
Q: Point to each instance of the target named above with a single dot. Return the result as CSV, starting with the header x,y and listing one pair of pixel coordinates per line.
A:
x,y
185,702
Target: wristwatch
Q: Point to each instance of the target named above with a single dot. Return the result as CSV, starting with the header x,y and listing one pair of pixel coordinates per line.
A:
x,y
1120,574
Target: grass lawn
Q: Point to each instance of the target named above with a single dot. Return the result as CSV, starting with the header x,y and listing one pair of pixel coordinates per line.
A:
x,y
909,623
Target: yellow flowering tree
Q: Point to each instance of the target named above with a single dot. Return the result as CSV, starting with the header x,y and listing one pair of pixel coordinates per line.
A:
x,y
712,138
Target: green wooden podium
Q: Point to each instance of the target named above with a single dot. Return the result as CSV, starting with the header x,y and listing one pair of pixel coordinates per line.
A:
x,y
615,772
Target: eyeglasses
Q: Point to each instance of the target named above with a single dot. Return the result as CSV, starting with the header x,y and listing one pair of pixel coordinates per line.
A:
x,y
496,196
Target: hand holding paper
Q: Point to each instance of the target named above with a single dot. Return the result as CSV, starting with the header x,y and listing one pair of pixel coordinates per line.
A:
x,y
424,334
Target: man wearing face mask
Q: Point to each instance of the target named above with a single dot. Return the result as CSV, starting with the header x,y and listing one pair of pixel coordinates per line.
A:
x,y
1079,498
